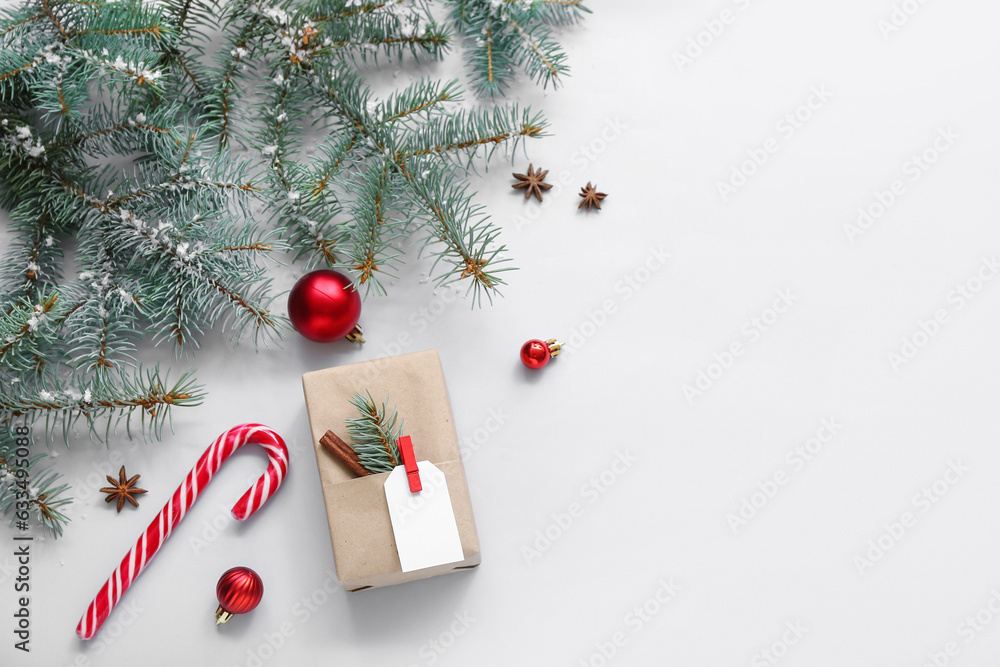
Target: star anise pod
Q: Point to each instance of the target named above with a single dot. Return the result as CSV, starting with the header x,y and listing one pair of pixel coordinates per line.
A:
x,y
532,182
122,489
591,197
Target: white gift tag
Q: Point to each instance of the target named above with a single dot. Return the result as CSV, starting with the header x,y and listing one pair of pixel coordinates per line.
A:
x,y
423,523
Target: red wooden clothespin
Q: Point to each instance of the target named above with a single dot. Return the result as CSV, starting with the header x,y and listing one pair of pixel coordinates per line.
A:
x,y
410,463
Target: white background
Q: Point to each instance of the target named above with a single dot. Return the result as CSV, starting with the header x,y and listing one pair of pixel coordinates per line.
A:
x,y
660,138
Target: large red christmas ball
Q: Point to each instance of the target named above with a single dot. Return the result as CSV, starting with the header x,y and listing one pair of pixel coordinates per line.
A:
x,y
323,306
535,354
239,590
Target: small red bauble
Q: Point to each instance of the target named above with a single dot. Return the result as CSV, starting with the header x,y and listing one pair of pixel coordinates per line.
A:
x,y
324,307
239,590
536,353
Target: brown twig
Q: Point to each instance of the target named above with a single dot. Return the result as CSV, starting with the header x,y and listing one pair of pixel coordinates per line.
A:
x,y
363,9
52,17
411,39
149,30
188,72
534,47
14,72
489,54
24,22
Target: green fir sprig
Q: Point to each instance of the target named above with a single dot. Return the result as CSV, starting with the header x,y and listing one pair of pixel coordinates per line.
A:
x,y
503,36
375,434
40,493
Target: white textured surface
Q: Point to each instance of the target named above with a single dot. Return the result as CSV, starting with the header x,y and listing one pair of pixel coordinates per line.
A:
x,y
682,466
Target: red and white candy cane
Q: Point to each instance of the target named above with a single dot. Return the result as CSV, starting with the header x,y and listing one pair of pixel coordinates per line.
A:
x,y
159,530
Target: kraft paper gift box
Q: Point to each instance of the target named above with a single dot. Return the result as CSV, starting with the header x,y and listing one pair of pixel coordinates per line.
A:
x,y
364,548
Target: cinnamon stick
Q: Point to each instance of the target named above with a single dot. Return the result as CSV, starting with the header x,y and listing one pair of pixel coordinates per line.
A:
x,y
342,452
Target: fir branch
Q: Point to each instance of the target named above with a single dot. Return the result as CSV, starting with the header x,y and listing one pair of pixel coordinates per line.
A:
x,y
190,17
374,229
542,57
34,62
375,433
464,133
109,402
510,34
32,256
191,21
66,95
188,71
44,497
21,328
22,23
176,180
227,74
84,196
211,279
302,217
341,11
367,29
185,8
83,139
417,101
137,72
47,11
155,31
457,232
560,12
430,42
137,22
104,318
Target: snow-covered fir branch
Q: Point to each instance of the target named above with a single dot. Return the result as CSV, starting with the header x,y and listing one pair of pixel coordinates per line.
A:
x,y
173,148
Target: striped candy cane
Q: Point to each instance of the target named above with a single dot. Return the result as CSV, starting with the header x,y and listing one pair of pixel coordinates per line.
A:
x,y
159,530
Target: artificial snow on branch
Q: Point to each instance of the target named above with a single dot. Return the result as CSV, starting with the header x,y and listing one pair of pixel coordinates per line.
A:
x,y
152,135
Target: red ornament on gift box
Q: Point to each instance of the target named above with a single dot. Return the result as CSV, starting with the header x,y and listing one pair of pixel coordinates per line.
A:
x,y
536,353
239,590
323,306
